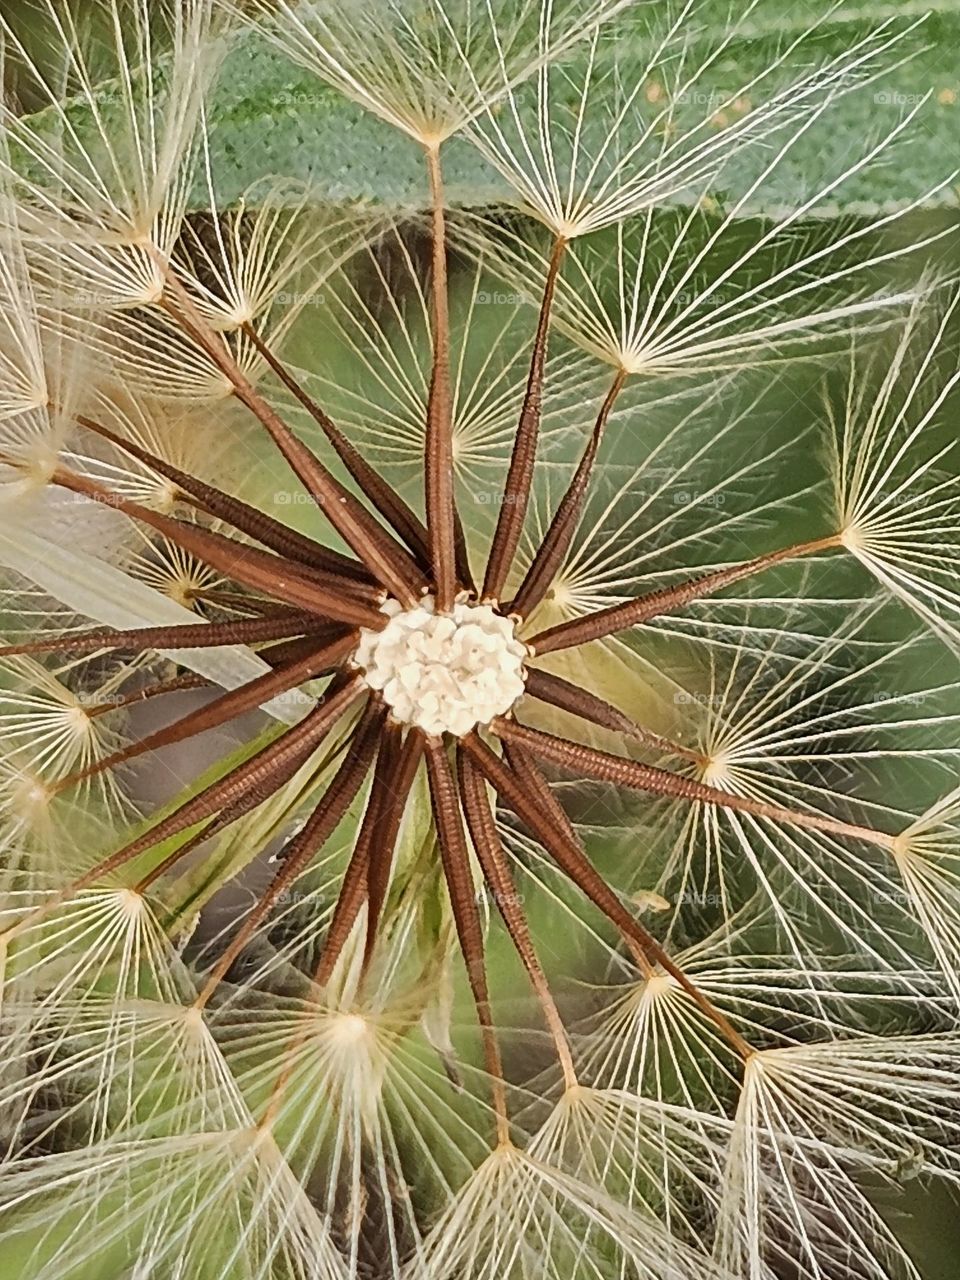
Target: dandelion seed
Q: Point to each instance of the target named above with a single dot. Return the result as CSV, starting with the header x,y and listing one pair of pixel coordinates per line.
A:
x,y
22,364
519,1213
99,204
589,165
427,69
896,505
795,1154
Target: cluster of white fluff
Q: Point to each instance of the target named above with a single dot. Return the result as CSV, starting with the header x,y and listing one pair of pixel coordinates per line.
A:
x,y
446,673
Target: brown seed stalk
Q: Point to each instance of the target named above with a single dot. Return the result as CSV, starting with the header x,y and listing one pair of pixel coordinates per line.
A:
x,y
438,468
620,617
386,501
556,543
516,491
485,839
574,864
455,856
307,843
588,762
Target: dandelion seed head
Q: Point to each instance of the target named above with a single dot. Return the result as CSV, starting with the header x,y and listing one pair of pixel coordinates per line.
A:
x,y
178,575
193,1020
854,538
131,904
717,769
707,782
445,673
30,797
612,142
347,1030
31,474
659,985
30,448
102,212
563,595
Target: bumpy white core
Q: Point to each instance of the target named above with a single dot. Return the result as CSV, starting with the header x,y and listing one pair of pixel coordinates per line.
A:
x,y
445,673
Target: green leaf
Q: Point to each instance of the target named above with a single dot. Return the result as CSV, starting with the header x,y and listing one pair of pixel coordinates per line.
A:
x,y
272,117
